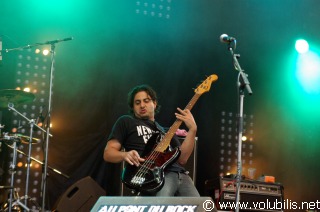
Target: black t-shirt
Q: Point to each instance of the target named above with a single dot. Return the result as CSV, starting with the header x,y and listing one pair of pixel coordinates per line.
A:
x,y
134,134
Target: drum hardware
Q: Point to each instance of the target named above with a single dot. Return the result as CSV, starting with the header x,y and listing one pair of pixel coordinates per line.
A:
x,y
52,44
22,138
32,126
15,202
5,206
31,122
12,97
25,139
17,205
12,170
41,163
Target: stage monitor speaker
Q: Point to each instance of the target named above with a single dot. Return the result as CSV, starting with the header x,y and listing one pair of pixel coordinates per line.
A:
x,y
81,196
190,166
154,204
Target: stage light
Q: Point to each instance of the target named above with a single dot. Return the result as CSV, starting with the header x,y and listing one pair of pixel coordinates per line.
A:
x,y
308,72
45,52
244,138
160,10
302,46
26,89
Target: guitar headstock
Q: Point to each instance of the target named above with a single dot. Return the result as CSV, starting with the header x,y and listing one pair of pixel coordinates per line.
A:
x,y
206,84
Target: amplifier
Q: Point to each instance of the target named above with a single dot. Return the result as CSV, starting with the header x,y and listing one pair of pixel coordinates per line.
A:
x,y
254,195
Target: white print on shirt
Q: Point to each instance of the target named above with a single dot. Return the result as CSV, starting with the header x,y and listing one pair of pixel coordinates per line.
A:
x,y
145,132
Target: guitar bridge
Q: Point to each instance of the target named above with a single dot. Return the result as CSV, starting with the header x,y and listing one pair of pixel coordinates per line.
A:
x,y
138,180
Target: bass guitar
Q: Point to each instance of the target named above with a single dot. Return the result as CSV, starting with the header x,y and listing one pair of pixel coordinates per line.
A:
x,y
149,176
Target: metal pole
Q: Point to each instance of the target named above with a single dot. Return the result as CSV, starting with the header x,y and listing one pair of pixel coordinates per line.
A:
x,y
45,172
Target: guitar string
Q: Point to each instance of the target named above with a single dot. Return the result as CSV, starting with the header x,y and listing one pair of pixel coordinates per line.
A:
x,y
154,154
143,169
147,165
151,158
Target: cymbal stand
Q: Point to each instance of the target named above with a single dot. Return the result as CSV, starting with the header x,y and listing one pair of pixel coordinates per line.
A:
x,y
12,169
32,121
32,125
41,163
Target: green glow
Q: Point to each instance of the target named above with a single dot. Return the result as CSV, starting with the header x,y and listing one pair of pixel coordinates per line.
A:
x,y
308,72
301,95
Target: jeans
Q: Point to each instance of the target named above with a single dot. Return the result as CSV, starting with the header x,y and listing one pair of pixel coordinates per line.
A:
x,y
178,184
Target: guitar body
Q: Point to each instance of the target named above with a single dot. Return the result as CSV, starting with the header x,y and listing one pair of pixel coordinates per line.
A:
x,y
149,176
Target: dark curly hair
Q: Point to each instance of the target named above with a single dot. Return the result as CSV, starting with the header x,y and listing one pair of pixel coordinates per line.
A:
x,y
149,90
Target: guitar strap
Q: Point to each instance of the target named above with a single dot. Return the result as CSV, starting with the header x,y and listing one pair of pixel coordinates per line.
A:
x,y
163,132
161,129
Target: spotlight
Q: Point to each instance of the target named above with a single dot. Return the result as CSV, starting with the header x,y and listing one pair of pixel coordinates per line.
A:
x,y
26,89
302,46
308,71
45,52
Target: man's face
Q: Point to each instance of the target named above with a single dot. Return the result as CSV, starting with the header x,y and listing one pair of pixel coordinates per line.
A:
x,y
143,106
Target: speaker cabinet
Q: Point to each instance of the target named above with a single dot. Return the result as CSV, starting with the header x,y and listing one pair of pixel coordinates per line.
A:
x,y
190,166
114,204
81,196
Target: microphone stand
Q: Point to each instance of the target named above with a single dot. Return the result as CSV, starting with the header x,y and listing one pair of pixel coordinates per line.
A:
x,y
45,169
242,84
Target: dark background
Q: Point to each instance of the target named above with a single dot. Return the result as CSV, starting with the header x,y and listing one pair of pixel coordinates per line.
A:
x,y
115,48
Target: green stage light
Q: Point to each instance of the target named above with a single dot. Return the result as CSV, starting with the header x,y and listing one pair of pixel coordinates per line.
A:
x,y
308,72
302,46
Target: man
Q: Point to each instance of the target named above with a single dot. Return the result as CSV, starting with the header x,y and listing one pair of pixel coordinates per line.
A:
x,y
133,132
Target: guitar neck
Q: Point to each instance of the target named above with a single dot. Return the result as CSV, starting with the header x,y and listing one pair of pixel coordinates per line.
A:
x,y
165,142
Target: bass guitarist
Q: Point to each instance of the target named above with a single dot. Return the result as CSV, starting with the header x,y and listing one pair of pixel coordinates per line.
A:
x,y
156,173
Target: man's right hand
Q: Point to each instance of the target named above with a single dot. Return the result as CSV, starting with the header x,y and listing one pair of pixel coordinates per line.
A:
x,y
132,157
